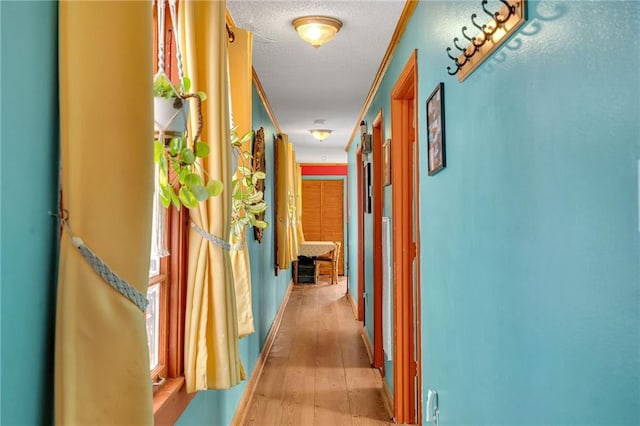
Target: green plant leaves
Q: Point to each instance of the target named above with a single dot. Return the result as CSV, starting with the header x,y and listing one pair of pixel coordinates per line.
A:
x,y
255,197
202,149
165,195
187,198
183,173
180,177
257,208
214,187
176,145
246,138
187,156
244,171
158,150
200,192
247,201
257,176
163,88
180,182
192,179
186,83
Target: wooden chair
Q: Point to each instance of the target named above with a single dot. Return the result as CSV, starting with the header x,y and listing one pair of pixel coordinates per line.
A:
x,y
332,260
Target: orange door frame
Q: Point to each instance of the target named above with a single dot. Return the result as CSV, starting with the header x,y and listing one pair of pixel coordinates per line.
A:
x,y
360,210
406,307
378,355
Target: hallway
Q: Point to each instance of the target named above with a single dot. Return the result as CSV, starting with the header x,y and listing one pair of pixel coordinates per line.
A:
x,y
318,371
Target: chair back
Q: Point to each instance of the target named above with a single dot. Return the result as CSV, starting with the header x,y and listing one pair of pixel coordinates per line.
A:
x,y
336,252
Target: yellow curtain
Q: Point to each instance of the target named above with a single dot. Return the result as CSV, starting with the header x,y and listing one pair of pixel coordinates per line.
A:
x,y
292,187
240,78
106,125
299,203
211,325
286,202
282,219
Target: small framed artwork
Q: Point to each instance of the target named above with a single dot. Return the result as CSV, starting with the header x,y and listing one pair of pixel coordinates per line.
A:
x,y
366,187
435,131
386,162
259,165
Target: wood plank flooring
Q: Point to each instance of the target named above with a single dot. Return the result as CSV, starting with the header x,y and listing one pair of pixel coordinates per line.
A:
x,y
318,371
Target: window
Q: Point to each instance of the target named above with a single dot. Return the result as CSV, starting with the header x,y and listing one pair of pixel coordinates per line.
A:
x,y
157,294
167,288
165,320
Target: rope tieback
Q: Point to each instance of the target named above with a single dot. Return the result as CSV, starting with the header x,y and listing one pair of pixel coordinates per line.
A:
x,y
217,241
102,269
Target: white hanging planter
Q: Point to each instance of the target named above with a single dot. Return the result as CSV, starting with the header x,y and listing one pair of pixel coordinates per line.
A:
x,y
170,115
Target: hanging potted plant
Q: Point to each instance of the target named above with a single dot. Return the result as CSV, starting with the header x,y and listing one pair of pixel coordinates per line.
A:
x,y
180,177
170,108
247,201
179,173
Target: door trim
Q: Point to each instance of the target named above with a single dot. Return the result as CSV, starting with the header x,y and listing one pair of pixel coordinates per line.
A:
x,y
378,351
406,307
360,248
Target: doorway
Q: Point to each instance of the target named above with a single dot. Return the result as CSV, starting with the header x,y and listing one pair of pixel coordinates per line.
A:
x,y
360,249
323,201
406,238
378,205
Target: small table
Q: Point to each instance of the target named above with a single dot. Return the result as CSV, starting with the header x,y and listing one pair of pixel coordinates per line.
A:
x,y
311,249
315,248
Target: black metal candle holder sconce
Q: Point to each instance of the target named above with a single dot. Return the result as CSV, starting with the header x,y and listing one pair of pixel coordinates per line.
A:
x,y
502,25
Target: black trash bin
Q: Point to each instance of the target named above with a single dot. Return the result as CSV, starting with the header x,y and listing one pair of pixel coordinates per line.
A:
x,y
306,270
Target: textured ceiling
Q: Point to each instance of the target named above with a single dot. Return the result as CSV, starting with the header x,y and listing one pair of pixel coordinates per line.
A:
x,y
330,83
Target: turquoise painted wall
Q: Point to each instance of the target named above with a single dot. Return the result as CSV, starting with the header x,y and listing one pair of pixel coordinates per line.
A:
x,y
28,235
530,248
217,407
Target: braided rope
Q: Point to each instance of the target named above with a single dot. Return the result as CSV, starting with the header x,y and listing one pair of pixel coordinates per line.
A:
x,y
160,35
106,273
174,21
217,241
111,277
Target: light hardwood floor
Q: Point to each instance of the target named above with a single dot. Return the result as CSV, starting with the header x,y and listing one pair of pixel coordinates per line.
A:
x,y
318,371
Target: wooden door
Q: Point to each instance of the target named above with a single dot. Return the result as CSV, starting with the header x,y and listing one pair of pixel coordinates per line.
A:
x,y
323,213
360,247
407,374
378,197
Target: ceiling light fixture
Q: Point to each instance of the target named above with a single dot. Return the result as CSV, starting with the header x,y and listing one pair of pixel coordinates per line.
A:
x,y
316,30
320,134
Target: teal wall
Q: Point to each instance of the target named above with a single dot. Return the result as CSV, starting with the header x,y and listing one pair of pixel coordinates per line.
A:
x,y
28,235
530,245
217,407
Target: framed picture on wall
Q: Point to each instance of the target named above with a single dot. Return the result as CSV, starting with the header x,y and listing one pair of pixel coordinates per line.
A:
x,y
366,188
386,162
436,157
259,166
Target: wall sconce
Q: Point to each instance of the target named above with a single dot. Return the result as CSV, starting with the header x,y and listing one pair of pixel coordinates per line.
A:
x,y
316,30
320,134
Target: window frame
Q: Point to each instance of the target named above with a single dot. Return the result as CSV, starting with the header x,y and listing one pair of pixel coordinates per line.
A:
x,y
162,278
170,398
